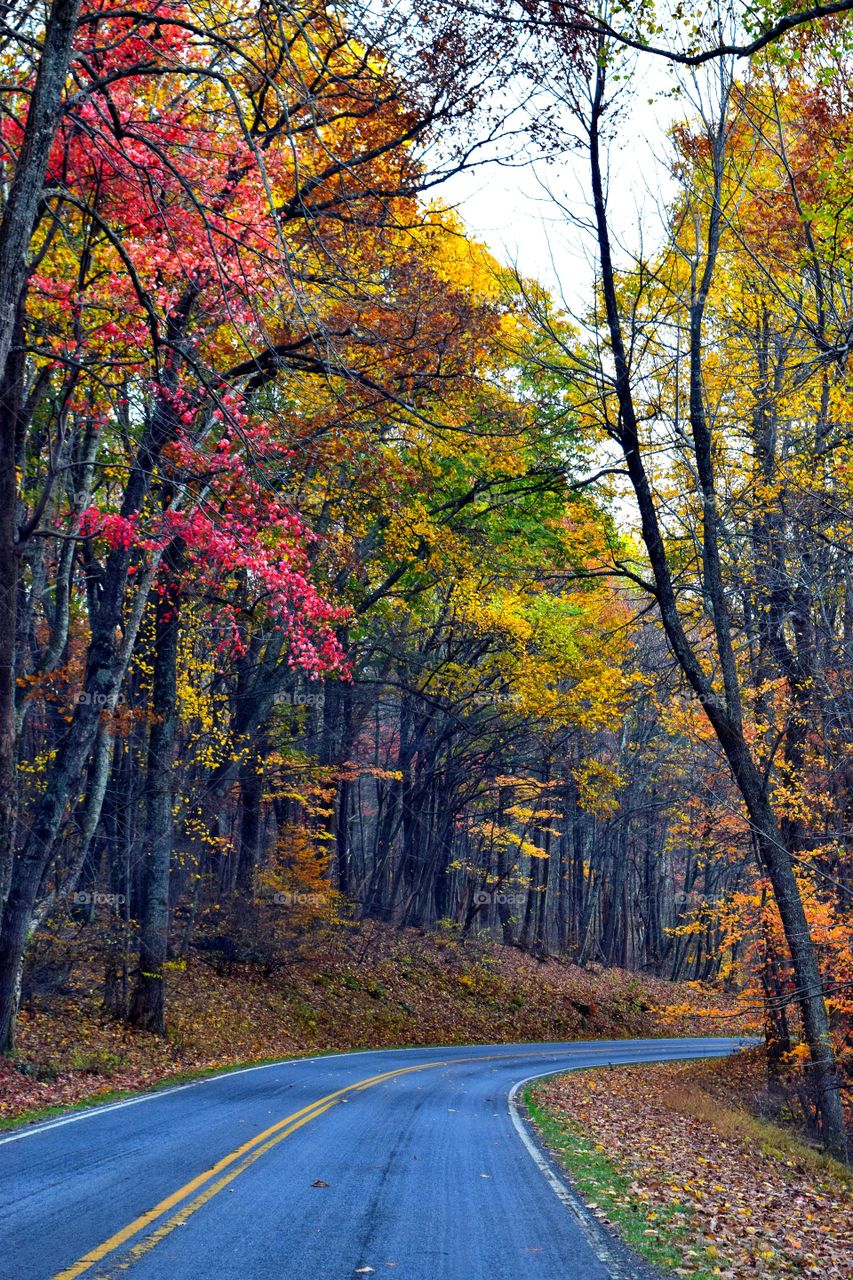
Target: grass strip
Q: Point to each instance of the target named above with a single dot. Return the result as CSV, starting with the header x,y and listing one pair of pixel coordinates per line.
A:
x,y
661,1236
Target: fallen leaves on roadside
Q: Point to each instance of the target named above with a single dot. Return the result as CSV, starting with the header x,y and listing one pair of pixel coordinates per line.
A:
x,y
742,1211
223,1013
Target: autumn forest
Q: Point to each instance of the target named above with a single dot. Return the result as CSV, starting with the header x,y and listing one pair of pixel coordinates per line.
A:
x,y
351,578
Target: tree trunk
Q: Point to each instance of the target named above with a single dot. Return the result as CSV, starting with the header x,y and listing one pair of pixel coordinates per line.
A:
x,y
148,1006
248,848
723,710
16,229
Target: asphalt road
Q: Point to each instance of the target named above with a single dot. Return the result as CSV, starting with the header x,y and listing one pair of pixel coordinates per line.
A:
x,y
404,1163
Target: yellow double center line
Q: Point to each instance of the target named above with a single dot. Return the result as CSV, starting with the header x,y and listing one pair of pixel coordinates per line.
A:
x,y
235,1164
231,1166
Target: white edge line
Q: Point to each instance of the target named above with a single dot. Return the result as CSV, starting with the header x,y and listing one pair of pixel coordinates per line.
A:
x,y
593,1231
593,1236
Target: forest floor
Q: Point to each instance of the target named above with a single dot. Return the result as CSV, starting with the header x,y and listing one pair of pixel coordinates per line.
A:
x,y
365,986
675,1160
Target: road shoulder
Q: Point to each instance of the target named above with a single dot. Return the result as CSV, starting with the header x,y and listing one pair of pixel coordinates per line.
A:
x,y
621,1261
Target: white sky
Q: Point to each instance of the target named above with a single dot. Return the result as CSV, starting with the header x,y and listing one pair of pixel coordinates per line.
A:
x,y
511,209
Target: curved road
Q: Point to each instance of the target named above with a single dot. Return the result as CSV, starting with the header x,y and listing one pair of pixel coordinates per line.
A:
x,y
404,1163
